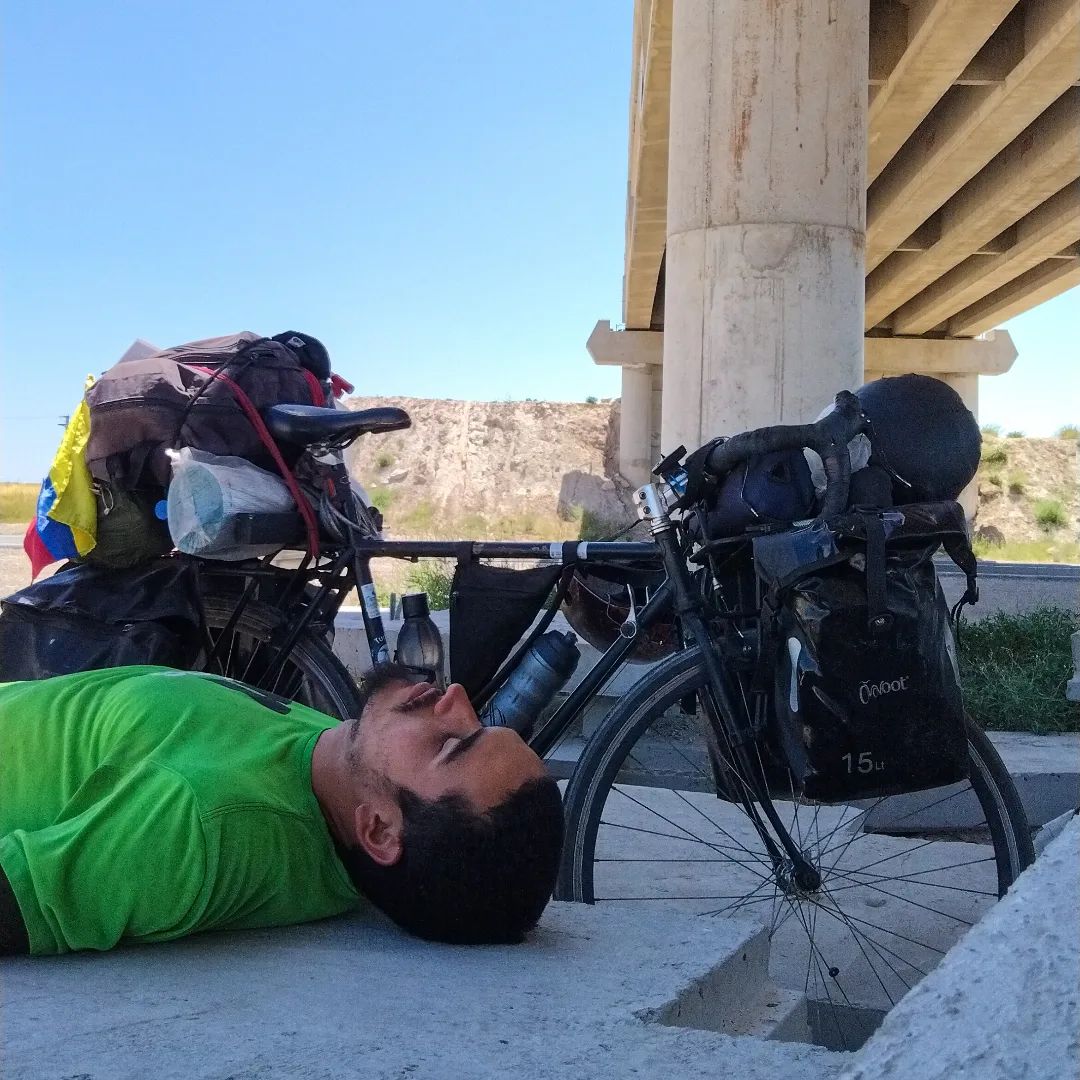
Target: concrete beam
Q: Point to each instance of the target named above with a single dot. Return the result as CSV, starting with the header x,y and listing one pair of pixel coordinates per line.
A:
x,y
646,197
1001,53
944,36
991,355
1043,283
625,348
1038,164
1047,230
972,125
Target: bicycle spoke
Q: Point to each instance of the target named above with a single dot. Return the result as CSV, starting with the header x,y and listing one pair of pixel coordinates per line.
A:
x,y
682,828
721,849
915,903
741,899
848,920
856,936
716,825
929,806
717,847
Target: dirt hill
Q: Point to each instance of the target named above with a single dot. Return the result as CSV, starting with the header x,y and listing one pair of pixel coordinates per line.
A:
x,y
541,462
546,459
1020,479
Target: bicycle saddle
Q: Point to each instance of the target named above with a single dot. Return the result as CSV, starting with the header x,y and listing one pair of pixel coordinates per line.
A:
x,y
308,425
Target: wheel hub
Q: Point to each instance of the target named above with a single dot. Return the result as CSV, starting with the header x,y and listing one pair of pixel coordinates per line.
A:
x,y
799,880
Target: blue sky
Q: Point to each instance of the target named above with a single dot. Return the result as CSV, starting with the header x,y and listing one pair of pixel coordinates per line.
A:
x,y
435,190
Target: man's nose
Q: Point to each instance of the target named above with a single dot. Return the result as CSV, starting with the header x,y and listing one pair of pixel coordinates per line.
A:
x,y
455,704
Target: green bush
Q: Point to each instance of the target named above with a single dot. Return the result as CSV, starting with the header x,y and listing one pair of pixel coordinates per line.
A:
x,y
1050,514
1015,435
994,455
1014,669
994,479
992,431
433,577
1068,431
384,460
590,400
382,498
1017,483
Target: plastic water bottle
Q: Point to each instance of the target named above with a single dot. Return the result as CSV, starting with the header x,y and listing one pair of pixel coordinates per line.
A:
x,y
419,643
543,671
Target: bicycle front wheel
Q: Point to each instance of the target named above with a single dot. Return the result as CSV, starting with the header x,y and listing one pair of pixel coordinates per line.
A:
x,y
311,674
902,877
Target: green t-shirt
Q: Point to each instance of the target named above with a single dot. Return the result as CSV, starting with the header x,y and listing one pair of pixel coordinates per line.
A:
x,y
146,803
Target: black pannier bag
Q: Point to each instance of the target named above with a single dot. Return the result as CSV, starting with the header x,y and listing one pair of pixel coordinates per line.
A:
x,y
87,617
490,608
865,685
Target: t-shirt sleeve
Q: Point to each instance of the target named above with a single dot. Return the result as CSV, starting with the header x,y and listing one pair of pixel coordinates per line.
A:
x,y
125,859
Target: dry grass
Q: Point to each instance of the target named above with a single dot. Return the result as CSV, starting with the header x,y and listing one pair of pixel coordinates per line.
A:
x,y
17,503
1029,551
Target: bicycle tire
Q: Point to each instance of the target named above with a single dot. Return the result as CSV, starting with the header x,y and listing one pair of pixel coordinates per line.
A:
x,y
312,675
849,985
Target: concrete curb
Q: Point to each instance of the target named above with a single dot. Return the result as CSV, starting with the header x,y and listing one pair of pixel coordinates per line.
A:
x,y
1005,1001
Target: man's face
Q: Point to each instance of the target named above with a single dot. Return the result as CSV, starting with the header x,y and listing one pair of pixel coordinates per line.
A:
x,y
431,742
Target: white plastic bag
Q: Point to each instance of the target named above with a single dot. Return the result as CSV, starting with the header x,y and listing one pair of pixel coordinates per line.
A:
x,y
208,492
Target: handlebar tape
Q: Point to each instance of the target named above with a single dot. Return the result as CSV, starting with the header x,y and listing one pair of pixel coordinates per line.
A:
x,y
828,437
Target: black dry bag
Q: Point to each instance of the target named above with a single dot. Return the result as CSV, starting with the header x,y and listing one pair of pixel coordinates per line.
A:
x,y
865,686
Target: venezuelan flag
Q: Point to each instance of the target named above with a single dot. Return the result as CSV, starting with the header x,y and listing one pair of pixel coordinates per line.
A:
x,y
65,524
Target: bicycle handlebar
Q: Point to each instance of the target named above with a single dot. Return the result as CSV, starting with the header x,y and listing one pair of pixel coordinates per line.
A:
x,y
828,437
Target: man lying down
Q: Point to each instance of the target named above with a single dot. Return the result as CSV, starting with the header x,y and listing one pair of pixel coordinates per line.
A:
x,y
143,804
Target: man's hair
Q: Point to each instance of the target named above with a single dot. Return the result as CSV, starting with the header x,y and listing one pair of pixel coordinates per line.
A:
x,y
464,877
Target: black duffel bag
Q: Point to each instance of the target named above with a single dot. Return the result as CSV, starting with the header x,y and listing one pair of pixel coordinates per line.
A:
x,y
87,617
864,680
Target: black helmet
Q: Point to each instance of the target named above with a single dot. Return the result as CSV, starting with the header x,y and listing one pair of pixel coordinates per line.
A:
x,y
310,351
924,434
596,607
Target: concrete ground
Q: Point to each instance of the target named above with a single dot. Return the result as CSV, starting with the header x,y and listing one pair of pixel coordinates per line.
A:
x,y
1005,1003
890,908
584,998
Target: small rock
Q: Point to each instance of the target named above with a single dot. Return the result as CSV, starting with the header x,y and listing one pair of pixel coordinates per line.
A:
x,y
990,534
396,476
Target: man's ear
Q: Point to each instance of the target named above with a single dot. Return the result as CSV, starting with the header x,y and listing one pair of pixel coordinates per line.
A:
x,y
379,828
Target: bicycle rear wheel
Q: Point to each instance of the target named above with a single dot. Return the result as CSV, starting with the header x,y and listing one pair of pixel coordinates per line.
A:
x,y
311,674
903,877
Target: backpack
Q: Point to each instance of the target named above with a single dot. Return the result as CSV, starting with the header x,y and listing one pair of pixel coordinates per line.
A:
x,y
205,394
858,652
187,396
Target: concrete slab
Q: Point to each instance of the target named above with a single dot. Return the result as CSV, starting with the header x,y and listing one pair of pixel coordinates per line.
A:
x,y
1006,1001
909,900
354,997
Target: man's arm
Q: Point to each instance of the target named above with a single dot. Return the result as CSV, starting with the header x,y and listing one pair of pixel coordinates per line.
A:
x,y
13,938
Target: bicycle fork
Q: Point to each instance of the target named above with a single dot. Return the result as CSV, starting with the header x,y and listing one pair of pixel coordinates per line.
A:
x,y
751,788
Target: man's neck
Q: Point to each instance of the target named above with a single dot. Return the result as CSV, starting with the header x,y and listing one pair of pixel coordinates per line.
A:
x,y
331,783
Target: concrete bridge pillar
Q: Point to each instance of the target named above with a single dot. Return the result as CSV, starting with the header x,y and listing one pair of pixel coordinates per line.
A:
x,y
635,425
763,318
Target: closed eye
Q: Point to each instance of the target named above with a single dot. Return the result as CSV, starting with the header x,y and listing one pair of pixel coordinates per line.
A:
x,y
463,746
